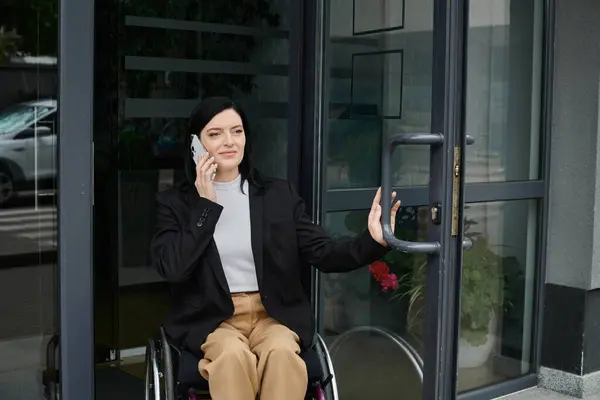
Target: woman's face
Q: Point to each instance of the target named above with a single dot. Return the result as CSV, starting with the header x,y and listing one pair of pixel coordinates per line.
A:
x,y
224,139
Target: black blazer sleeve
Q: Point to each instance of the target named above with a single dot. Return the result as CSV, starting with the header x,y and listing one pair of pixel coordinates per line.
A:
x,y
319,249
178,244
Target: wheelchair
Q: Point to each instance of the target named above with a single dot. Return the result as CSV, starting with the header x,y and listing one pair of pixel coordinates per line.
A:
x,y
172,372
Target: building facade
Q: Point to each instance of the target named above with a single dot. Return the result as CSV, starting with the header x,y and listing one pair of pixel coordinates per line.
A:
x,y
94,98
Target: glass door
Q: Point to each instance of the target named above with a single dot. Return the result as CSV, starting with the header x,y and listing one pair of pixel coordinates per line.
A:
x,y
29,271
394,82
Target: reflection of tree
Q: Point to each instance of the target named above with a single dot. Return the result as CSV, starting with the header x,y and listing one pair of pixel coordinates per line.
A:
x,y
36,24
8,43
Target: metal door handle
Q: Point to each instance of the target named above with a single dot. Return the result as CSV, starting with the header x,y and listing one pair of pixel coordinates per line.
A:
x,y
427,139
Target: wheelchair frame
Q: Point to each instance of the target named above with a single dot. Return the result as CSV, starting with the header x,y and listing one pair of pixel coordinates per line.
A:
x,y
161,381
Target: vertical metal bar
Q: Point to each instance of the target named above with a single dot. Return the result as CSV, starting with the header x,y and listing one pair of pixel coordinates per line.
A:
x,y
75,195
443,278
317,123
296,122
546,132
312,63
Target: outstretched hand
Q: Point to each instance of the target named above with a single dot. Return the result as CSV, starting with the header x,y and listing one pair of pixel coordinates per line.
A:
x,y
375,228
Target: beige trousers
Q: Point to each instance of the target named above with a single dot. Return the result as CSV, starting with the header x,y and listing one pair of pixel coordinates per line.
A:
x,y
252,354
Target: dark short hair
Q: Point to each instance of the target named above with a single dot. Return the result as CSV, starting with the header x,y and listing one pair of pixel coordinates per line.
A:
x,y
200,117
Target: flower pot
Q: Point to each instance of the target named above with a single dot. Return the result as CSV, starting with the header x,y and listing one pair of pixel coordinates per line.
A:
x,y
472,356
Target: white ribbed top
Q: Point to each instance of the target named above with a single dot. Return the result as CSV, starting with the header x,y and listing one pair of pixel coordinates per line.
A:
x,y
233,236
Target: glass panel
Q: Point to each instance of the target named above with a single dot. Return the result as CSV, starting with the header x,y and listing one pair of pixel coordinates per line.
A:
x,y
166,71
28,219
497,300
167,57
504,90
377,297
379,85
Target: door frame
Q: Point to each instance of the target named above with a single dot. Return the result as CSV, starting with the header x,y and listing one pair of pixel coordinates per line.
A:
x,y
75,161
443,282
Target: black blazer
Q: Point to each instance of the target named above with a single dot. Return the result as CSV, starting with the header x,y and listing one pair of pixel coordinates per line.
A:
x,y
284,242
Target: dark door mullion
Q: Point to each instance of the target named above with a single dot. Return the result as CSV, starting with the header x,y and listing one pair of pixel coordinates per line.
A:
x,y
414,196
443,277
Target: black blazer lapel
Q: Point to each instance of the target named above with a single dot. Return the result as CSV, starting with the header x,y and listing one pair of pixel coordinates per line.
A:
x,y
256,229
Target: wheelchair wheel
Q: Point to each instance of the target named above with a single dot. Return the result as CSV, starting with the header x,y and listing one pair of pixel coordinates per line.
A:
x,y
327,390
167,366
152,377
371,362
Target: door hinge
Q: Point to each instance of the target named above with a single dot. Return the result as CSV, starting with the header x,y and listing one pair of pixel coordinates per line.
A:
x,y
456,191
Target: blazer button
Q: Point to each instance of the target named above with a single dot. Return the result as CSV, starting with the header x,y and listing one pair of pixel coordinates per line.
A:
x,y
199,224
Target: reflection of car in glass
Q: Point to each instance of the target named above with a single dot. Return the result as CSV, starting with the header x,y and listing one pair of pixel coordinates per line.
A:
x,y
28,134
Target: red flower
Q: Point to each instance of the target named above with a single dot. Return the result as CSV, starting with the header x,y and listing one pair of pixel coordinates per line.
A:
x,y
379,270
389,282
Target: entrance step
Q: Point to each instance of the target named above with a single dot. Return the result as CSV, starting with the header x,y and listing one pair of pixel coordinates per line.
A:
x,y
536,393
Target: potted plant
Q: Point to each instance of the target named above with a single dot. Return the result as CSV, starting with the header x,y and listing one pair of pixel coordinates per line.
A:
x,y
482,297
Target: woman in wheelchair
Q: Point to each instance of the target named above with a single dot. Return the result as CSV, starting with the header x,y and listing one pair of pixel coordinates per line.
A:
x,y
234,245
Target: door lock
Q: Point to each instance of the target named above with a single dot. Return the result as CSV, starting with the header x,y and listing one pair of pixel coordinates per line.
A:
x,y
456,192
436,213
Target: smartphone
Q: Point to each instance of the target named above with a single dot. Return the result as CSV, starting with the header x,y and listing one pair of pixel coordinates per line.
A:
x,y
197,148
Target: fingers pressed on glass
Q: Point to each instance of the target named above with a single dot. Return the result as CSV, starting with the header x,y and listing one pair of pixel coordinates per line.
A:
x,y
376,200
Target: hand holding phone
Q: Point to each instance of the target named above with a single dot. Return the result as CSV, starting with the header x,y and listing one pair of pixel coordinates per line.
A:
x,y
205,170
